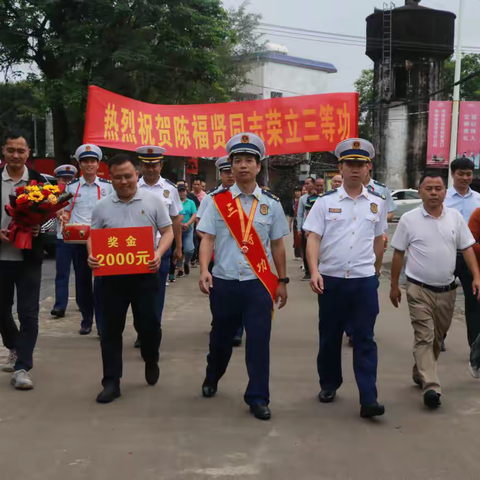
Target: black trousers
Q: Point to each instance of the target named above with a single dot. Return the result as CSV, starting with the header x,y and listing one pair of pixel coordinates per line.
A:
x,y
304,250
472,306
26,277
119,292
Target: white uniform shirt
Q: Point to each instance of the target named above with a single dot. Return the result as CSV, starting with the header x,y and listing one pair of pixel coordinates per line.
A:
x,y
432,244
168,193
87,196
348,227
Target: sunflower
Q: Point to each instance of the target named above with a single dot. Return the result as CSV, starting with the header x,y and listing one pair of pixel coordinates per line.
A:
x,y
35,196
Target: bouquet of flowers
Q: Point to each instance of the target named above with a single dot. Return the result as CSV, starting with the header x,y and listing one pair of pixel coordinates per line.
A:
x,y
33,205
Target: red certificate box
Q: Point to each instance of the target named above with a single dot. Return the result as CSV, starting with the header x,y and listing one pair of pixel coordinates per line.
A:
x,y
122,251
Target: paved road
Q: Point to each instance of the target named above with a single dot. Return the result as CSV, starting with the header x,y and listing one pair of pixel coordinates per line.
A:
x,y
170,432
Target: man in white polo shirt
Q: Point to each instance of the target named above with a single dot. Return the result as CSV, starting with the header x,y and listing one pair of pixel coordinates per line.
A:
x,y
431,234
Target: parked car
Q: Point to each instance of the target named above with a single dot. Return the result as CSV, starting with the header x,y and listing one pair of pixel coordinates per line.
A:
x,y
49,229
405,200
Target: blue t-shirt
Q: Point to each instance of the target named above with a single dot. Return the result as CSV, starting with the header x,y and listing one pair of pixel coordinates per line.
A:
x,y
189,208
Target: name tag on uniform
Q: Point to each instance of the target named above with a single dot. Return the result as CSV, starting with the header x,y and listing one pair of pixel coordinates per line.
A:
x,y
335,210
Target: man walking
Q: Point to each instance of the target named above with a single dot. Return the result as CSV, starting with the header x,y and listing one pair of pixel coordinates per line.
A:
x,y
87,191
63,257
346,226
151,159
462,198
301,217
246,225
130,206
431,234
19,269
320,185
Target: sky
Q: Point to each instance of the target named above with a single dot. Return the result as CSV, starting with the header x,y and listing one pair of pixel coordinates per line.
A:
x,y
344,17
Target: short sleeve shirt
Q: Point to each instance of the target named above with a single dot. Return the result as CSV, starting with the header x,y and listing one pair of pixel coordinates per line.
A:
x,y
189,209
432,244
382,189
85,198
348,227
143,210
466,205
269,222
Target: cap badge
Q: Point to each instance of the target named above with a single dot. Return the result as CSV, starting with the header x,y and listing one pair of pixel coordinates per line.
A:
x,y
166,193
264,209
245,139
374,207
67,168
88,148
356,145
150,150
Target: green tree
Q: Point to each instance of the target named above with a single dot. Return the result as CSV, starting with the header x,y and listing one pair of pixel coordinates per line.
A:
x,y
22,103
365,87
159,51
470,90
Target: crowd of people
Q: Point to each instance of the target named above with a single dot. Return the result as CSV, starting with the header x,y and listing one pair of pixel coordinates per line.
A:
x,y
235,235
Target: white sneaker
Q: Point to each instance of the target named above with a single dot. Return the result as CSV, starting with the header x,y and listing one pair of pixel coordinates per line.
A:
x,y
167,283
475,371
10,363
22,380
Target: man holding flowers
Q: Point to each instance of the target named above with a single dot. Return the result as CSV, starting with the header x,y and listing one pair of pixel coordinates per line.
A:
x,y
19,268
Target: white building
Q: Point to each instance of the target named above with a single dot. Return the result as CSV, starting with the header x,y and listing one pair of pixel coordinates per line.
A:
x,y
277,74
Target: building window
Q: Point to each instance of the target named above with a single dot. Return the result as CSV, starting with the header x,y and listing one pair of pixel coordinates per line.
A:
x,y
276,94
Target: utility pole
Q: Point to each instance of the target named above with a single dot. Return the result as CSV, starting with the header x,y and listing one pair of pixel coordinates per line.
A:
x,y
456,93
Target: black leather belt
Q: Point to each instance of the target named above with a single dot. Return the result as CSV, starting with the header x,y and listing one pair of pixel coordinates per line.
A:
x,y
447,288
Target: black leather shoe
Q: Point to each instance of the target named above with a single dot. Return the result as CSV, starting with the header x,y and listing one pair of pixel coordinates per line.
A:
x,y
152,372
137,343
109,394
57,312
431,399
262,412
85,331
327,396
237,341
372,410
208,389
417,380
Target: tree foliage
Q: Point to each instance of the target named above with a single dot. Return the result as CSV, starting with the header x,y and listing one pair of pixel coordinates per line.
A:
x,y
364,85
470,90
158,51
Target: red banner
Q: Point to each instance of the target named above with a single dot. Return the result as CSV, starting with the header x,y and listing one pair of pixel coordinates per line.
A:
x,y
192,166
288,125
122,251
439,130
469,131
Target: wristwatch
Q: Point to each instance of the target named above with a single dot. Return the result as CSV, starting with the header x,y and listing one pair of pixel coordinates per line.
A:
x,y
284,280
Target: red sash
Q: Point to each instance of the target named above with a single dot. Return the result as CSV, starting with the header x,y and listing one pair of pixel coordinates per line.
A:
x,y
256,255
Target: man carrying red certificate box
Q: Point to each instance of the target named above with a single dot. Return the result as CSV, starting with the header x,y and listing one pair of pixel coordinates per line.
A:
x,y
125,254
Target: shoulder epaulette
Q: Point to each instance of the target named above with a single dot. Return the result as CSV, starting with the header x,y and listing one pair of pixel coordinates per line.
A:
x,y
327,193
74,181
104,180
372,192
268,193
171,183
220,190
379,184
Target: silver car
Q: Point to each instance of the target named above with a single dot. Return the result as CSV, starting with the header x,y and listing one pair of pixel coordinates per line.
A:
x,y
405,200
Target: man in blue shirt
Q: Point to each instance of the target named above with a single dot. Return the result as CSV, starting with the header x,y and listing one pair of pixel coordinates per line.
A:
x,y
243,287
465,200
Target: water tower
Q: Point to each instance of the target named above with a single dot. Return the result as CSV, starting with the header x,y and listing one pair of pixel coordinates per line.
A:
x,y
409,46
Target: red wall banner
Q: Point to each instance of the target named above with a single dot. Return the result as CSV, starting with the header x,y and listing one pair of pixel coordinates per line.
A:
x,y
287,125
439,129
469,131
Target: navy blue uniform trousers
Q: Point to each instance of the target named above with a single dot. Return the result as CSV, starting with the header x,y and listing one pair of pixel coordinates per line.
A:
x,y
88,298
352,300
232,302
